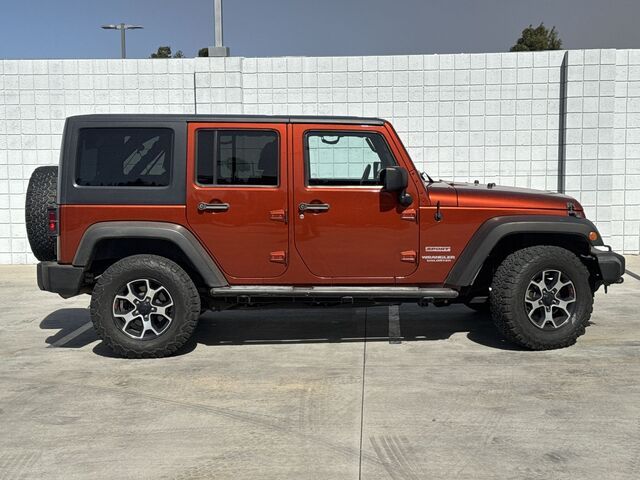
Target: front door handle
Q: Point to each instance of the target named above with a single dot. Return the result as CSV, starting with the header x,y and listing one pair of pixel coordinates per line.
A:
x,y
313,207
213,207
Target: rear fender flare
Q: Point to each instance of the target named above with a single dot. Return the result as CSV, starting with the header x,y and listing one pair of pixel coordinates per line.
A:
x,y
176,234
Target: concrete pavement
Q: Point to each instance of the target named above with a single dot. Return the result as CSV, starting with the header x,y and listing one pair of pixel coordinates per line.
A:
x,y
317,394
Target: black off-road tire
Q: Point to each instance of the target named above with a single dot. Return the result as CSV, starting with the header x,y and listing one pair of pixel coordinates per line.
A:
x,y
41,194
185,296
509,287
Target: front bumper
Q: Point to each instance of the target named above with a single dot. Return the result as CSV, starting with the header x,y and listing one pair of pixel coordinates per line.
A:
x,y
611,265
65,280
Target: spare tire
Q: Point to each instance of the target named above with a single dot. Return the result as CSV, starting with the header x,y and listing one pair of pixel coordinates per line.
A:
x,y
41,194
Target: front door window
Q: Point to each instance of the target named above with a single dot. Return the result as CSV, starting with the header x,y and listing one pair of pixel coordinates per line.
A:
x,y
346,158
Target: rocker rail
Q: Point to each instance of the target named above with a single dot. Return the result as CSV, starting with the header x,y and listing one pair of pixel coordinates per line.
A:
x,y
370,292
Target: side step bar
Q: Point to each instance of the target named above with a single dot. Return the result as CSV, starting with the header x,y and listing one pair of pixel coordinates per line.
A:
x,y
334,292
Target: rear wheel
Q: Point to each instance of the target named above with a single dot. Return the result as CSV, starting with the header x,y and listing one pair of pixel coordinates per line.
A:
x,y
41,195
145,306
541,298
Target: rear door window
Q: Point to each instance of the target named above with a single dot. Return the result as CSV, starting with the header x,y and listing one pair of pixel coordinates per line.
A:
x,y
124,157
237,157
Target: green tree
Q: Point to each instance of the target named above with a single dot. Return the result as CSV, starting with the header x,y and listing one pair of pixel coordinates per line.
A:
x,y
203,52
165,52
537,38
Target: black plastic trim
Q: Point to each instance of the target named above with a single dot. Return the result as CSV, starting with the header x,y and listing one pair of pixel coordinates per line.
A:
x,y
154,118
175,193
181,237
71,194
495,229
65,280
611,264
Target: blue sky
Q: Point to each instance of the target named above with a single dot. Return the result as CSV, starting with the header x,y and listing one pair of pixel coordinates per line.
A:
x,y
71,28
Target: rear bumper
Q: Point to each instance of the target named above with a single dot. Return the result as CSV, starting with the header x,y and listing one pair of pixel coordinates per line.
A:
x,y
65,280
611,265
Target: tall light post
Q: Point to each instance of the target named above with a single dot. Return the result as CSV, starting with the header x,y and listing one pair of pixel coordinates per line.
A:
x,y
218,50
123,27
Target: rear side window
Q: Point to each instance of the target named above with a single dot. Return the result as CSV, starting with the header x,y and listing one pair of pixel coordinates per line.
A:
x,y
346,158
124,157
237,157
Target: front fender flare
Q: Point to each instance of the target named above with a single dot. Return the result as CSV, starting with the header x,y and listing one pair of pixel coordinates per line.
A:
x,y
473,256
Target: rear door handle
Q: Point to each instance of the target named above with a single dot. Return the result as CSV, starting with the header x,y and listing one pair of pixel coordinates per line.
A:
x,y
313,207
213,207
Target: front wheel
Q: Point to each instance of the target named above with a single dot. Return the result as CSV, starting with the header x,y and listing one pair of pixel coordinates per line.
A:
x,y
541,298
145,306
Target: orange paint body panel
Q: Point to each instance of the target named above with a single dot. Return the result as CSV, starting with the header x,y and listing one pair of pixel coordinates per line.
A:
x,y
441,243
244,239
364,238
75,219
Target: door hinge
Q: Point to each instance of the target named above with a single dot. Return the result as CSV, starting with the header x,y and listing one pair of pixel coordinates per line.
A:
x,y
278,257
410,215
409,256
278,215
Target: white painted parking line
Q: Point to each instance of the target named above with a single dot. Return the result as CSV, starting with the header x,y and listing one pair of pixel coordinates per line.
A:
x,y
394,324
67,338
632,275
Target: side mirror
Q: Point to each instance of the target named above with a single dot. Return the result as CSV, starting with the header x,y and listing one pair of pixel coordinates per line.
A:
x,y
396,179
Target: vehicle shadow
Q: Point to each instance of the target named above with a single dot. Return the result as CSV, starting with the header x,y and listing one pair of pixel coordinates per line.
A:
x,y
347,325
302,326
70,325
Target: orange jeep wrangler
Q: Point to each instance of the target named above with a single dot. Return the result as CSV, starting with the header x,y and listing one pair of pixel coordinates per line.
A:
x,y
160,217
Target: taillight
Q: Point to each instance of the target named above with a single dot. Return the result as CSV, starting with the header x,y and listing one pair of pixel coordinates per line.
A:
x,y
52,218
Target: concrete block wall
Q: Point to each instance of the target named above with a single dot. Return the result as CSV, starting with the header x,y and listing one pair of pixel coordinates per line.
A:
x,y
492,117
37,95
625,163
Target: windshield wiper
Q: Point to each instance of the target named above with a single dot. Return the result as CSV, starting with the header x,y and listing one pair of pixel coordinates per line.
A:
x,y
425,174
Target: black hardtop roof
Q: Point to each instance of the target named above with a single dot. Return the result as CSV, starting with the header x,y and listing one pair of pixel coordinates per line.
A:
x,y
160,117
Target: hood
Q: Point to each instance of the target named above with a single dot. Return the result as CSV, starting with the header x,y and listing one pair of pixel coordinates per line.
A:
x,y
492,195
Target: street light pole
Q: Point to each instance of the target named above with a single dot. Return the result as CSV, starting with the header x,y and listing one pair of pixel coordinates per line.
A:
x,y
218,50
123,41
123,27
217,18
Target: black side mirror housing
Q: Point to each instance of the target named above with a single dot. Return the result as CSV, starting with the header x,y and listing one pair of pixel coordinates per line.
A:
x,y
396,179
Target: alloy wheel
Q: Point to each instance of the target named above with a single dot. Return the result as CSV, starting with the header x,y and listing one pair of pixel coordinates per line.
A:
x,y
550,299
143,309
